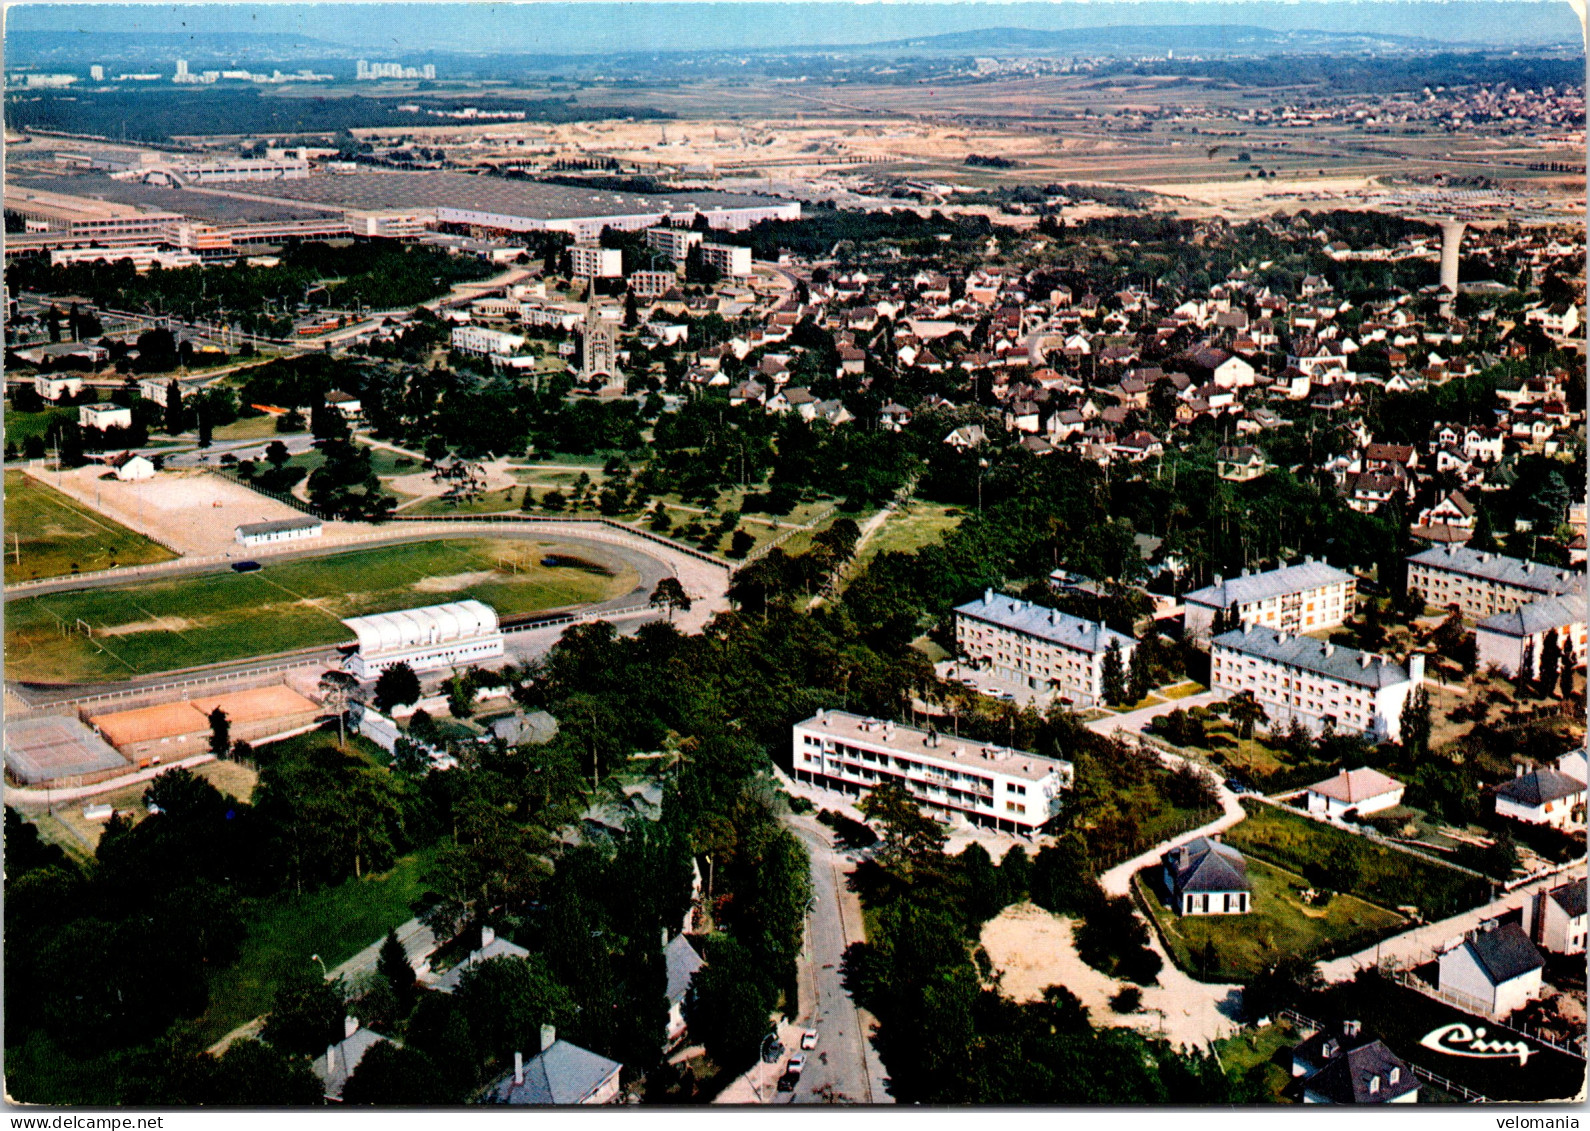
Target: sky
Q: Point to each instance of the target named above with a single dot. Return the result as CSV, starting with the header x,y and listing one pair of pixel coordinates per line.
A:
x,y
597,27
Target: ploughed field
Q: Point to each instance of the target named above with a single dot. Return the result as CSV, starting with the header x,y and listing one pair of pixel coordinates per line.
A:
x,y
117,633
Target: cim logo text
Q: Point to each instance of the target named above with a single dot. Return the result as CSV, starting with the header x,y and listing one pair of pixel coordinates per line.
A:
x,y
1457,1039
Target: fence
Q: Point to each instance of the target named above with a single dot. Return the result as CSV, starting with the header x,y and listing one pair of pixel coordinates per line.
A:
x,y
1468,1003
790,532
34,698
1452,1087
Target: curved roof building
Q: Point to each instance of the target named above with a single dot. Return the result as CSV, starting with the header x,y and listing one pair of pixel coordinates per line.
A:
x,y
435,636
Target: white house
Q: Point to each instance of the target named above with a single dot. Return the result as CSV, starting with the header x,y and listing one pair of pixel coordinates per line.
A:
x,y
490,947
1557,918
349,406
1494,970
131,467
1543,797
1366,1074
281,530
1362,790
341,1059
1206,877
561,1073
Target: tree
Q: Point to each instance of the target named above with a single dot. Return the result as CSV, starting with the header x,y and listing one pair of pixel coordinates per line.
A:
x,y
910,839
306,1012
1570,661
670,595
1415,722
1550,665
173,408
392,963
396,686
1139,681
729,1005
391,1075
1113,676
220,733
1245,713
341,691
206,430
253,1074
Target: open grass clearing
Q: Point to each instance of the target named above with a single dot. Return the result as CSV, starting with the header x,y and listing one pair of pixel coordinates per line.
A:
x,y
284,931
1377,871
287,605
1264,1053
23,425
55,535
229,777
916,523
248,428
1233,948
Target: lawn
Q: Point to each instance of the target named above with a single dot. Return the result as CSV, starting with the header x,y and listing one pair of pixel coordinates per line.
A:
x,y
1265,1051
182,622
1294,841
915,524
283,931
488,502
21,425
248,428
1233,948
58,535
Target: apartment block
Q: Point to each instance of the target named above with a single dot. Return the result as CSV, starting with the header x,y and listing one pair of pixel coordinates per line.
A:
x,y
1482,584
732,261
675,243
1296,598
1049,651
588,261
955,780
1298,677
481,342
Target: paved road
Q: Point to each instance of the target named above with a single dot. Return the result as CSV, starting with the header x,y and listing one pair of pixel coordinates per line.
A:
x,y
844,1067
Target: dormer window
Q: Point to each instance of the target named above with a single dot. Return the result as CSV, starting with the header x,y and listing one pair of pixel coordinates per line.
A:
x,y
1395,1075
1374,1085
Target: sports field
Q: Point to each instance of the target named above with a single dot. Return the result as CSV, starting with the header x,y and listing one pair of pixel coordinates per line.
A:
x,y
56,534
182,622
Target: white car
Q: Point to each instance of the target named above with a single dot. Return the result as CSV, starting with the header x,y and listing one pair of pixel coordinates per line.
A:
x,y
809,1039
795,1065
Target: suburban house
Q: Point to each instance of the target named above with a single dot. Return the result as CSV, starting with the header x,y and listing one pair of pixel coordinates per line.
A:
x,y
1041,648
956,780
1543,797
681,963
1296,598
1494,970
490,947
1298,677
1363,791
560,1073
1240,464
1205,877
1557,918
342,1058
1345,1067
1514,640
130,467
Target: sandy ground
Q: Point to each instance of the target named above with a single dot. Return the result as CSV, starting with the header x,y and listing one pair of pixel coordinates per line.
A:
x,y
1032,949
192,512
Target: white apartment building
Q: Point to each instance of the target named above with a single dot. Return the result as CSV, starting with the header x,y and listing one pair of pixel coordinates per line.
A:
x,y
1296,598
955,780
1049,651
1482,584
102,417
590,261
1298,677
732,261
481,342
645,285
142,258
1514,640
675,243
436,636
56,386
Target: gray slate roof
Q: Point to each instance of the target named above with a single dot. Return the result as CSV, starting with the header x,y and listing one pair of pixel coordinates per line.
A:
x,y
1538,616
496,948
562,1074
350,1051
1207,865
279,525
1500,568
1346,1079
1306,575
1304,652
1504,952
682,962
1570,897
1540,786
1044,623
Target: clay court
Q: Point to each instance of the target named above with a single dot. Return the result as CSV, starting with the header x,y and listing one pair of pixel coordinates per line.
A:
x,y
170,731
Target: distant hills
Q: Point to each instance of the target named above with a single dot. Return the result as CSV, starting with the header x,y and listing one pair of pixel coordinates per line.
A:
x,y
1189,38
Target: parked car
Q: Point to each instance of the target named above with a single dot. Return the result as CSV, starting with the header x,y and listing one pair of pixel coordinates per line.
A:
x,y
809,1039
1237,785
796,1065
246,567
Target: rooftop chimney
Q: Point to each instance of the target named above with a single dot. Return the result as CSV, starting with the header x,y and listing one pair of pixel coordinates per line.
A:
x,y
518,1067
988,596
331,1061
1363,660
1219,580
1330,649
488,935
549,1037
1518,770
1352,1028
350,1026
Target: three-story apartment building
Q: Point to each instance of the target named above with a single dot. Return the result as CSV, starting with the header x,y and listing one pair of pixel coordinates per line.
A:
x,y
1049,651
1482,584
1297,598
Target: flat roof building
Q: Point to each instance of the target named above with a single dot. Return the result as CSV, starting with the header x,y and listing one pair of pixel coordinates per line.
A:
x,y
165,732
1048,651
1304,597
282,530
1298,677
955,780
435,636
589,261
731,260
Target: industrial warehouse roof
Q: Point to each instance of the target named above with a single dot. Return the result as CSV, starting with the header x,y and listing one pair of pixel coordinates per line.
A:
x,y
1304,652
396,631
1245,590
960,753
1538,616
1045,623
1500,568
375,192
54,746
194,203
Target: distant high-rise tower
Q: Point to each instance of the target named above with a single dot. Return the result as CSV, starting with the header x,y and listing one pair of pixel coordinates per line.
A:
x,y
182,72
97,73
429,70
362,70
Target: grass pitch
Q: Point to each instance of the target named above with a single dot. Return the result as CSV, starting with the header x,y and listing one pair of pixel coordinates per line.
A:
x,y
183,622
57,535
